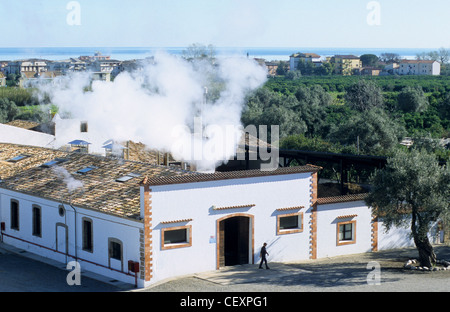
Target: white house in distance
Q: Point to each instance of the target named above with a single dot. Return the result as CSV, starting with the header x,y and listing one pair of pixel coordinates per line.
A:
x,y
133,221
294,59
419,67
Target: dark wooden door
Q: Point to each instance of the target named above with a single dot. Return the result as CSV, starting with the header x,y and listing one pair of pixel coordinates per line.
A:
x,y
234,241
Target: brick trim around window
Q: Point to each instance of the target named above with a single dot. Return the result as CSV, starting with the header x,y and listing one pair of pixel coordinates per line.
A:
x,y
346,242
299,229
188,228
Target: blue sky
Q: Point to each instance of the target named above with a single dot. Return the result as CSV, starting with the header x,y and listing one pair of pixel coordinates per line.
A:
x,y
226,23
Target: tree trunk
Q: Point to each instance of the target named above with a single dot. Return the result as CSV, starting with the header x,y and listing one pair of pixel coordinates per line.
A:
x,y
427,257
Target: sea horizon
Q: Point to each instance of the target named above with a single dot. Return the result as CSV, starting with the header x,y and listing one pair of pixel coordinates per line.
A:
x,y
131,53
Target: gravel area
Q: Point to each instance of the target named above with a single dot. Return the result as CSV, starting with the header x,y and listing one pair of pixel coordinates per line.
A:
x,y
337,274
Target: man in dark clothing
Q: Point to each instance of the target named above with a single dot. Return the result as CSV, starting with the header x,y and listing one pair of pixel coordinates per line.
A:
x,y
263,254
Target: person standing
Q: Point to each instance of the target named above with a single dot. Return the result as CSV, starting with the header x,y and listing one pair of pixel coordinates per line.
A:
x,y
262,255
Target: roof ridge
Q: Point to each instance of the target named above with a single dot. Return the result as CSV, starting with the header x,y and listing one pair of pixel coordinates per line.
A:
x,y
341,198
227,175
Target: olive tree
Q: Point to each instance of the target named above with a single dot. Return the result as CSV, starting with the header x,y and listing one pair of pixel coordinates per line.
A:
x,y
412,99
376,132
364,95
412,190
8,110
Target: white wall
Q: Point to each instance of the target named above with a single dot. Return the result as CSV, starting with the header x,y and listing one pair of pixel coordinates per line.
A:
x,y
67,130
400,237
327,219
16,135
436,69
396,237
195,201
104,227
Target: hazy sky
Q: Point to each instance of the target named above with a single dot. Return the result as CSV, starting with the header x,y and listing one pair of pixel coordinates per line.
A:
x,y
232,23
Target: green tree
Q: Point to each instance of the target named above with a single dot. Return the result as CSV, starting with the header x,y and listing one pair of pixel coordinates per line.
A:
x,y
293,75
312,104
369,60
289,122
374,130
326,69
364,95
306,68
412,99
8,110
412,190
283,68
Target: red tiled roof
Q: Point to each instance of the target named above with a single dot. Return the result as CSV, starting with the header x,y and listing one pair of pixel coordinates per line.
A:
x,y
417,61
176,221
204,177
290,208
347,216
234,207
341,199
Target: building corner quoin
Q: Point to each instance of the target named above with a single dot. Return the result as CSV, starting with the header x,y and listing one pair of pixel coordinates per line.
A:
x,y
146,239
313,220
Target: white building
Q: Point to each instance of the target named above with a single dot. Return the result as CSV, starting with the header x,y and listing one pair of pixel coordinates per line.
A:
x,y
294,59
34,65
105,66
19,135
419,67
68,130
133,222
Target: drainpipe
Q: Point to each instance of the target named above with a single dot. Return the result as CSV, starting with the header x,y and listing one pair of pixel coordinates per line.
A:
x,y
76,245
75,221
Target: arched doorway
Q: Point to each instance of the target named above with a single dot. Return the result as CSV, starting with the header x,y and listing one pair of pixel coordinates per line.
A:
x,y
235,240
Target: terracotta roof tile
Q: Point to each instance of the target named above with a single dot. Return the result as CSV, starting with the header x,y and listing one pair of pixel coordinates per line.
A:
x,y
99,190
347,216
204,177
234,207
291,208
341,199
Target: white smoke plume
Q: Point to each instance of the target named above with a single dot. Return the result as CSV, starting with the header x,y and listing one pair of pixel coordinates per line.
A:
x,y
71,183
159,105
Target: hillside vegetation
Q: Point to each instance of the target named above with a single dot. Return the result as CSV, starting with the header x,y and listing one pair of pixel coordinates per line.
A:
x,y
355,114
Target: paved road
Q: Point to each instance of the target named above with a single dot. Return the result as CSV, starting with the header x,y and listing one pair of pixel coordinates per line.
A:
x,y
18,273
339,274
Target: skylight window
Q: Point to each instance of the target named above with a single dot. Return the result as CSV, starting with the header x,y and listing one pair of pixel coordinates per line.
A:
x,y
124,178
17,158
128,177
53,162
86,170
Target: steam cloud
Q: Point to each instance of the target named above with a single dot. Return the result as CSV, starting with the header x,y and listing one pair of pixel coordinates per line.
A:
x,y
160,104
71,183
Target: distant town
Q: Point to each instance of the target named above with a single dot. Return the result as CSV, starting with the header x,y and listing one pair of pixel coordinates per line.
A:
x,y
24,73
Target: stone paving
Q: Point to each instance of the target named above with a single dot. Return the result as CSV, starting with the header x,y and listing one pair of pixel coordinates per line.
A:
x,y
371,272
22,272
